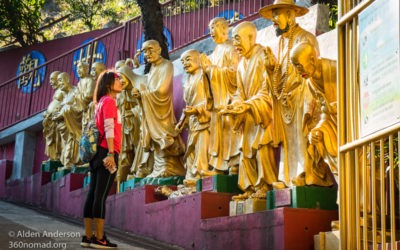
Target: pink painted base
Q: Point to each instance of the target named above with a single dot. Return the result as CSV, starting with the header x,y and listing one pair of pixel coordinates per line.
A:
x,y
197,221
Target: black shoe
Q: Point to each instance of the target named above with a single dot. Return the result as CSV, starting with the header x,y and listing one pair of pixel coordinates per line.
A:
x,y
102,244
86,241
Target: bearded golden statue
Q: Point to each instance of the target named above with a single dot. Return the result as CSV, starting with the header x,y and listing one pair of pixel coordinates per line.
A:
x,y
293,117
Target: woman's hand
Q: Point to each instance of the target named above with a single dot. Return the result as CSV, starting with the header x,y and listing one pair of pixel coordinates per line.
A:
x,y
109,163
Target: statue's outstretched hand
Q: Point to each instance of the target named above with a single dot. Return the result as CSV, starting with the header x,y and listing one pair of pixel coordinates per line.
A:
x,y
189,110
204,61
136,59
269,59
234,109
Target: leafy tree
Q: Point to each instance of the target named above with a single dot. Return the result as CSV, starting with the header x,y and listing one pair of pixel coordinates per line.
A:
x,y
86,10
152,20
20,22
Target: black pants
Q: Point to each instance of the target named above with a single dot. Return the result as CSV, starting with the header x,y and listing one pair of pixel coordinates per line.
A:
x,y
100,184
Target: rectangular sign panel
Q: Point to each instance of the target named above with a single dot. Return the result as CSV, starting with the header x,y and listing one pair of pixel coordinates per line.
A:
x,y
379,66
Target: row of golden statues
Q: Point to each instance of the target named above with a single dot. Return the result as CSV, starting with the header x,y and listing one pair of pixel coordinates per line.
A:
x,y
270,118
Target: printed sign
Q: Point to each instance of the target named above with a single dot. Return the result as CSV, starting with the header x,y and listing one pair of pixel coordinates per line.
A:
x,y
379,66
32,81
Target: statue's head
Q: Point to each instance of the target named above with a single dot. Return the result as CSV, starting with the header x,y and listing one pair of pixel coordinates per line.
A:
x,y
63,80
53,79
304,59
191,61
82,69
219,29
126,76
97,68
244,37
283,14
152,51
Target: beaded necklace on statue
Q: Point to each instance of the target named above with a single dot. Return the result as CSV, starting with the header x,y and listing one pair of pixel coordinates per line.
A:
x,y
288,107
276,79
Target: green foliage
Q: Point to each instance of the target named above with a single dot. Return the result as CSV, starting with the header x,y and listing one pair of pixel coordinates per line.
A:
x,y
333,11
20,22
94,14
333,15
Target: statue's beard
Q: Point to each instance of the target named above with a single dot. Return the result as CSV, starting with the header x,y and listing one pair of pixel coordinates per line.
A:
x,y
279,31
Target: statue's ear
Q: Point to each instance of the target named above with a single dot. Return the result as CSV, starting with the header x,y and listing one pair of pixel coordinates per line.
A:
x,y
312,60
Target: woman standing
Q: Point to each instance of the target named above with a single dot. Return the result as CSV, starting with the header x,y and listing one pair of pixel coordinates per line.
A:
x,y
104,165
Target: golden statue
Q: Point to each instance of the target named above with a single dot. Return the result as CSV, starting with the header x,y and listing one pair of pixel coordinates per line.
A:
x,y
77,110
220,66
50,133
131,117
323,148
97,68
251,109
158,135
195,116
290,95
68,90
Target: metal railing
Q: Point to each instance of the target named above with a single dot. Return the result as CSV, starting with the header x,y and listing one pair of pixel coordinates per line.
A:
x,y
369,210
185,22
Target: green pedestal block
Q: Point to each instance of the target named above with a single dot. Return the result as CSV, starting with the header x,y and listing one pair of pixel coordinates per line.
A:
x,y
170,181
57,175
50,166
199,185
314,197
129,184
80,170
86,180
221,183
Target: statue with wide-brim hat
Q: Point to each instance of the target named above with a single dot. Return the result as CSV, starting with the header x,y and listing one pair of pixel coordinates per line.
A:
x,y
266,11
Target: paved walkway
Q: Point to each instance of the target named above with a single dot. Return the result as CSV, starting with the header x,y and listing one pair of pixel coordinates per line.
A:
x,y
29,228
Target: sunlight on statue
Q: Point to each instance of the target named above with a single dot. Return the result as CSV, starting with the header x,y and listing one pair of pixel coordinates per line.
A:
x,y
321,80
155,95
221,67
50,133
196,117
131,113
292,116
67,155
251,109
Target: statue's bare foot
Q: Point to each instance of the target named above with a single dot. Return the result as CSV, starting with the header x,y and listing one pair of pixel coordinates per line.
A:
x,y
189,183
260,193
206,173
278,185
300,180
242,197
233,170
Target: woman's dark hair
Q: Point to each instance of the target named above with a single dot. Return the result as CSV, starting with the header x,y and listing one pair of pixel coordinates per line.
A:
x,y
104,83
